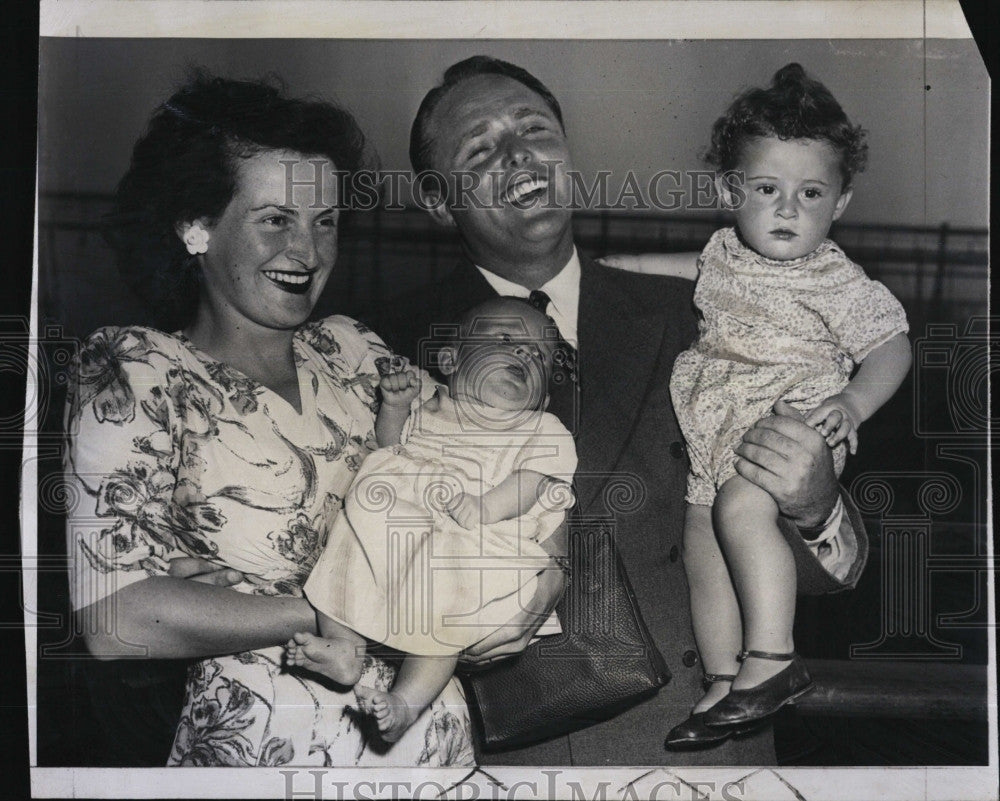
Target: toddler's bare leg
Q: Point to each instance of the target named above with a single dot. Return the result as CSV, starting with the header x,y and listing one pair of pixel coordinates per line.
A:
x,y
338,653
763,571
715,611
420,680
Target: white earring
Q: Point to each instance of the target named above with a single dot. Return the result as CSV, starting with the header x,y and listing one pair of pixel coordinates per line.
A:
x,y
196,240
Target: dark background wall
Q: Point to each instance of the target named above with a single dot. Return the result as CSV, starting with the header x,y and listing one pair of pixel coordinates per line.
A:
x,y
635,105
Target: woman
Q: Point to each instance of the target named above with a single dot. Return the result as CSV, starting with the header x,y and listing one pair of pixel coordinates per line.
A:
x,y
234,439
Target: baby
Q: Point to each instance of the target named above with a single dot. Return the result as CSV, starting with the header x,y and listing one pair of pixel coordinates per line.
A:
x,y
785,316
447,526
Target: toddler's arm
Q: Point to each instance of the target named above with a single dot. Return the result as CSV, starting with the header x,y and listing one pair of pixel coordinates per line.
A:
x,y
879,376
398,391
509,499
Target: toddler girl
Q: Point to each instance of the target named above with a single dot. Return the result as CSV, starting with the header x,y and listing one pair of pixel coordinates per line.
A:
x,y
444,535
785,316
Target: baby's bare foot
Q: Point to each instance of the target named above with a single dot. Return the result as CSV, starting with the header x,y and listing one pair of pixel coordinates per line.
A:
x,y
393,715
335,657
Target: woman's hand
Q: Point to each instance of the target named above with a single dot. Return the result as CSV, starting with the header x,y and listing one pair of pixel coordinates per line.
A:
x,y
189,613
514,637
517,633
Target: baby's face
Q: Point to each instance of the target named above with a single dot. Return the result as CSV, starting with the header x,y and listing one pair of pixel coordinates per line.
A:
x,y
504,359
792,192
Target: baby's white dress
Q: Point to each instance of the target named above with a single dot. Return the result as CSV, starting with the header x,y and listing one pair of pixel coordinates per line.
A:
x,y
399,570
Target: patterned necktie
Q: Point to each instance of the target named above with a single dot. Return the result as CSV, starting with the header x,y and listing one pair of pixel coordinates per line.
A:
x,y
565,394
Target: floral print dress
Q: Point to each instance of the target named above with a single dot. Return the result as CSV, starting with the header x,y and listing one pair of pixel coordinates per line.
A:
x,y
172,453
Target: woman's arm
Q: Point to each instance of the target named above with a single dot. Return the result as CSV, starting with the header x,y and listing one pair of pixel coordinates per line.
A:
x,y
162,617
677,265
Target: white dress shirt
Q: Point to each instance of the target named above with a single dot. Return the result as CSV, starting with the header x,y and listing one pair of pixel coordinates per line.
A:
x,y
563,290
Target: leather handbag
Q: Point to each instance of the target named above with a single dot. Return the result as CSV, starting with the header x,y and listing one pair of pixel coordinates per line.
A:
x,y
603,661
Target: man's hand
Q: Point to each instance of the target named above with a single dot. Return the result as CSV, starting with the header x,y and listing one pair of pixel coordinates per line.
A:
x,y
399,389
792,462
194,569
515,635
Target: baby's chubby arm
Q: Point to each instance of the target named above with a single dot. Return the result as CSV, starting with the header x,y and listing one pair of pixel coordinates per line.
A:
x,y
879,376
398,391
509,499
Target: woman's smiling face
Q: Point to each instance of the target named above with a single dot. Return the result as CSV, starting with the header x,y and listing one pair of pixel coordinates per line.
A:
x,y
272,250
792,194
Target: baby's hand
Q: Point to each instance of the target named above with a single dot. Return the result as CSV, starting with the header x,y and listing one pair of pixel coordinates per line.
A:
x,y
836,419
466,510
399,389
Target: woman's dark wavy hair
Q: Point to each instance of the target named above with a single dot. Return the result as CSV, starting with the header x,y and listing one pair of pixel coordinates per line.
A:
x,y
184,168
794,106
421,141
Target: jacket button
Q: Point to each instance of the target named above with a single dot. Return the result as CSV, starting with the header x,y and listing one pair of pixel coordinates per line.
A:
x,y
674,553
677,449
690,659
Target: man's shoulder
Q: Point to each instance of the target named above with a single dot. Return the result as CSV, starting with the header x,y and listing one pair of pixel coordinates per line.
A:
x,y
644,289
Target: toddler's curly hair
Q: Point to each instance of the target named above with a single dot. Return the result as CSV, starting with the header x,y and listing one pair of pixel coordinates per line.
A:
x,y
794,106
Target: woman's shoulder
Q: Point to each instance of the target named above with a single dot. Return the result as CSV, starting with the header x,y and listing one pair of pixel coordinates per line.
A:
x,y
338,324
345,331
118,366
343,340
132,345
133,333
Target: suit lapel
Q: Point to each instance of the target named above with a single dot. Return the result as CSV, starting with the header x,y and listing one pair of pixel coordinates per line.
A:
x,y
620,338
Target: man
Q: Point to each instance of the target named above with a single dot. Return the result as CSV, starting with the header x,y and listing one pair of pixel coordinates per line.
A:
x,y
496,134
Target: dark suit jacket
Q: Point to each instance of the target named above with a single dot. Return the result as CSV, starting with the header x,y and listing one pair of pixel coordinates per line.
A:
x,y
631,328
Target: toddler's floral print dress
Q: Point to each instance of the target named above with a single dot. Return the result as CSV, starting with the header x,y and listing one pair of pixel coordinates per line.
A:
x,y
770,330
172,453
